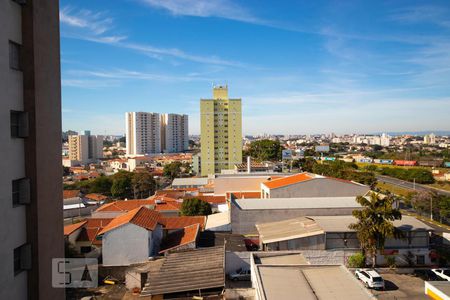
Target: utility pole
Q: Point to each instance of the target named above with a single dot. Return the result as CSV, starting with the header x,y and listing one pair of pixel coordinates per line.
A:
x,y
414,183
431,207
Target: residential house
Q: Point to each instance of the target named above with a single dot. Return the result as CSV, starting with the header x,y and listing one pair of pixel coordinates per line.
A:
x,y
132,237
181,239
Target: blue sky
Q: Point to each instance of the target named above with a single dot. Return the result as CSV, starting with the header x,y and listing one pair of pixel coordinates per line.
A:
x,y
299,66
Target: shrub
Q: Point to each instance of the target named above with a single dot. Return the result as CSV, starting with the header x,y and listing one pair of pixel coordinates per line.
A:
x,y
357,260
390,261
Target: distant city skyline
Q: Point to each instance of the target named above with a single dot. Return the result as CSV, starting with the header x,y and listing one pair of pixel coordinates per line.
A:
x,y
306,67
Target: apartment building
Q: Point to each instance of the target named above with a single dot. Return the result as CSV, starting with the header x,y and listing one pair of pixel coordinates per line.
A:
x,y
174,133
143,133
30,123
150,133
221,132
84,149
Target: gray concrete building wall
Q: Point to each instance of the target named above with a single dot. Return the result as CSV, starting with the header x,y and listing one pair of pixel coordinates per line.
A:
x,y
243,221
126,245
33,88
315,242
320,187
12,219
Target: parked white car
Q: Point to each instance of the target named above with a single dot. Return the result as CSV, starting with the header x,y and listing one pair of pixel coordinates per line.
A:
x,y
240,274
370,278
443,273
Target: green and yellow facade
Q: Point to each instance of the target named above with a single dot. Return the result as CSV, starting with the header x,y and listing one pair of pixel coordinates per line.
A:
x,y
221,132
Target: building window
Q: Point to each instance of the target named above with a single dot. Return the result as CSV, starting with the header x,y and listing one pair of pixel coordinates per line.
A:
x,y
22,258
19,124
14,56
420,259
21,191
85,249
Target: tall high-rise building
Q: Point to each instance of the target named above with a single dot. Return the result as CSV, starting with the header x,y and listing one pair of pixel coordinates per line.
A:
x,y
31,216
85,148
143,133
221,132
174,133
429,139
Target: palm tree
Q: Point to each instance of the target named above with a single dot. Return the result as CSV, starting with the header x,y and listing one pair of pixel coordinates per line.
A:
x,y
375,223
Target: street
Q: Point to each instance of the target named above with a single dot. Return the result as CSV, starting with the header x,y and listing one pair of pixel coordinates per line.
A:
x,y
410,185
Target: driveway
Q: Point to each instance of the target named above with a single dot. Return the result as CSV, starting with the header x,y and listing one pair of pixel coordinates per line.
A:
x,y
401,286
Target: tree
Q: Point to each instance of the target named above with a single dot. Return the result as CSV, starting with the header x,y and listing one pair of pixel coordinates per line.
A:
x,y
195,207
66,171
101,184
307,164
143,184
172,170
121,185
375,223
357,260
265,150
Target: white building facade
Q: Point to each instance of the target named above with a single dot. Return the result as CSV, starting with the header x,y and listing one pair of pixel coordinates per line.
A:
x,y
85,149
152,133
174,133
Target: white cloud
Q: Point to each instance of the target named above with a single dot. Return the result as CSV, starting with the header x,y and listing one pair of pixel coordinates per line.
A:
x,y
205,8
94,27
96,23
133,75
422,14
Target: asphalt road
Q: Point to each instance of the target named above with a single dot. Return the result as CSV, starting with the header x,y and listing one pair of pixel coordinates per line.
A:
x,y
410,185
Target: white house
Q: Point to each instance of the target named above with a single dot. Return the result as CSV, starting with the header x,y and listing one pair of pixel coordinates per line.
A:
x,y
132,237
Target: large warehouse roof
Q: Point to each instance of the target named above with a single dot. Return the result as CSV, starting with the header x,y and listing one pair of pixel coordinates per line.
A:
x,y
298,203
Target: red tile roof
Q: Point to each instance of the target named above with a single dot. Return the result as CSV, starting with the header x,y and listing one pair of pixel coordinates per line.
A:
x,y
281,182
180,238
125,205
209,199
96,197
91,229
171,223
69,229
244,195
165,206
142,217
67,194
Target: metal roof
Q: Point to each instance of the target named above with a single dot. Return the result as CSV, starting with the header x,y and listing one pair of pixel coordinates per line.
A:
x,y
184,271
292,229
190,181
298,203
311,282
310,226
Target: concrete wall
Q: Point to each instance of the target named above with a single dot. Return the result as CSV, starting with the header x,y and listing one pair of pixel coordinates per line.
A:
x,y
12,219
336,240
222,185
243,221
316,242
400,256
36,90
126,245
323,187
236,260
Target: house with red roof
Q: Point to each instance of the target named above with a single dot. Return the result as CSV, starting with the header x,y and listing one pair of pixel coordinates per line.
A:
x,y
311,185
181,239
132,237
